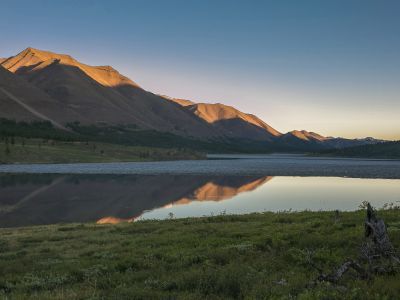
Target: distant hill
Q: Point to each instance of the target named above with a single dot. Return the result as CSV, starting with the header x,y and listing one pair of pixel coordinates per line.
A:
x,y
305,136
37,85
303,139
379,150
234,123
230,121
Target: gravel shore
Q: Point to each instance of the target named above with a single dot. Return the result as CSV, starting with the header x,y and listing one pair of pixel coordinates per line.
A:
x,y
273,165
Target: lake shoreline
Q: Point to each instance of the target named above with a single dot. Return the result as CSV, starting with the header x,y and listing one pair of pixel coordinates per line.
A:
x,y
46,151
272,165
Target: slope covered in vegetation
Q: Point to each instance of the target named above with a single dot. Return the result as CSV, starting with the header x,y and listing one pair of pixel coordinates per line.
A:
x,y
380,150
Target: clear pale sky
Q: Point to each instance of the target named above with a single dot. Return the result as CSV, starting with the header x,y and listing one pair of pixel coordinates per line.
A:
x,y
332,67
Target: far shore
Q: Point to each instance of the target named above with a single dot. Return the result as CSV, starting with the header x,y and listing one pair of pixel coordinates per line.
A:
x,y
41,151
271,165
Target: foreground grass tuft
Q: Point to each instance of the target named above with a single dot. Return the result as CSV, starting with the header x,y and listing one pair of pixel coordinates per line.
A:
x,y
253,256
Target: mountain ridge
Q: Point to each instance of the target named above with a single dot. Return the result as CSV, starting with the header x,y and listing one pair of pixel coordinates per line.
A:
x,y
100,94
66,90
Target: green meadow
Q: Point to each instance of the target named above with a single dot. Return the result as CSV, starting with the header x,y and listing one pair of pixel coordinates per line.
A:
x,y
255,256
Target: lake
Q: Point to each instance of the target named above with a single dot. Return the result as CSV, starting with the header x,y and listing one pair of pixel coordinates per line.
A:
x,y
36,194
36,199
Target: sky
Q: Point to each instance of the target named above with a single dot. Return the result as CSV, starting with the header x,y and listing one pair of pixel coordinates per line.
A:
x,y
331,67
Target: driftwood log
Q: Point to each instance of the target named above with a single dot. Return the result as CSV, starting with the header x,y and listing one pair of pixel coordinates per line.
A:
x,y
377,255
377,250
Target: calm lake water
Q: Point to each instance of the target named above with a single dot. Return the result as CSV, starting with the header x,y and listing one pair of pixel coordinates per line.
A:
x,y
35,199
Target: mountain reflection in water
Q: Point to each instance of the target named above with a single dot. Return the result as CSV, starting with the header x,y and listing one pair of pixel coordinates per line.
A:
x,y
47,199
216,189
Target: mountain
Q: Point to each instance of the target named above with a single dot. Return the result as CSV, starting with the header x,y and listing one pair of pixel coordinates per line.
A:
x,y
306,139
42,85
305,136
100,94
229,121
181,102
338,143
25,102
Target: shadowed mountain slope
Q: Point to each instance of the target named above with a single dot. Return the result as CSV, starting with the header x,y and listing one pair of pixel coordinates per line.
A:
x,y
230,121
23,101
41,85
101,94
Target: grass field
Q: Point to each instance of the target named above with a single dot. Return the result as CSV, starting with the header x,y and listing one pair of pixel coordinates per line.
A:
x,y
50,151
257,256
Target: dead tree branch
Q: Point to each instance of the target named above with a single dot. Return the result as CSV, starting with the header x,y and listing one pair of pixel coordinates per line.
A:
x,y
377,254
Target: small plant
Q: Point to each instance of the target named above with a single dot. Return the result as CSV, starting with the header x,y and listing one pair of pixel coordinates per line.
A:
x,y
7,149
